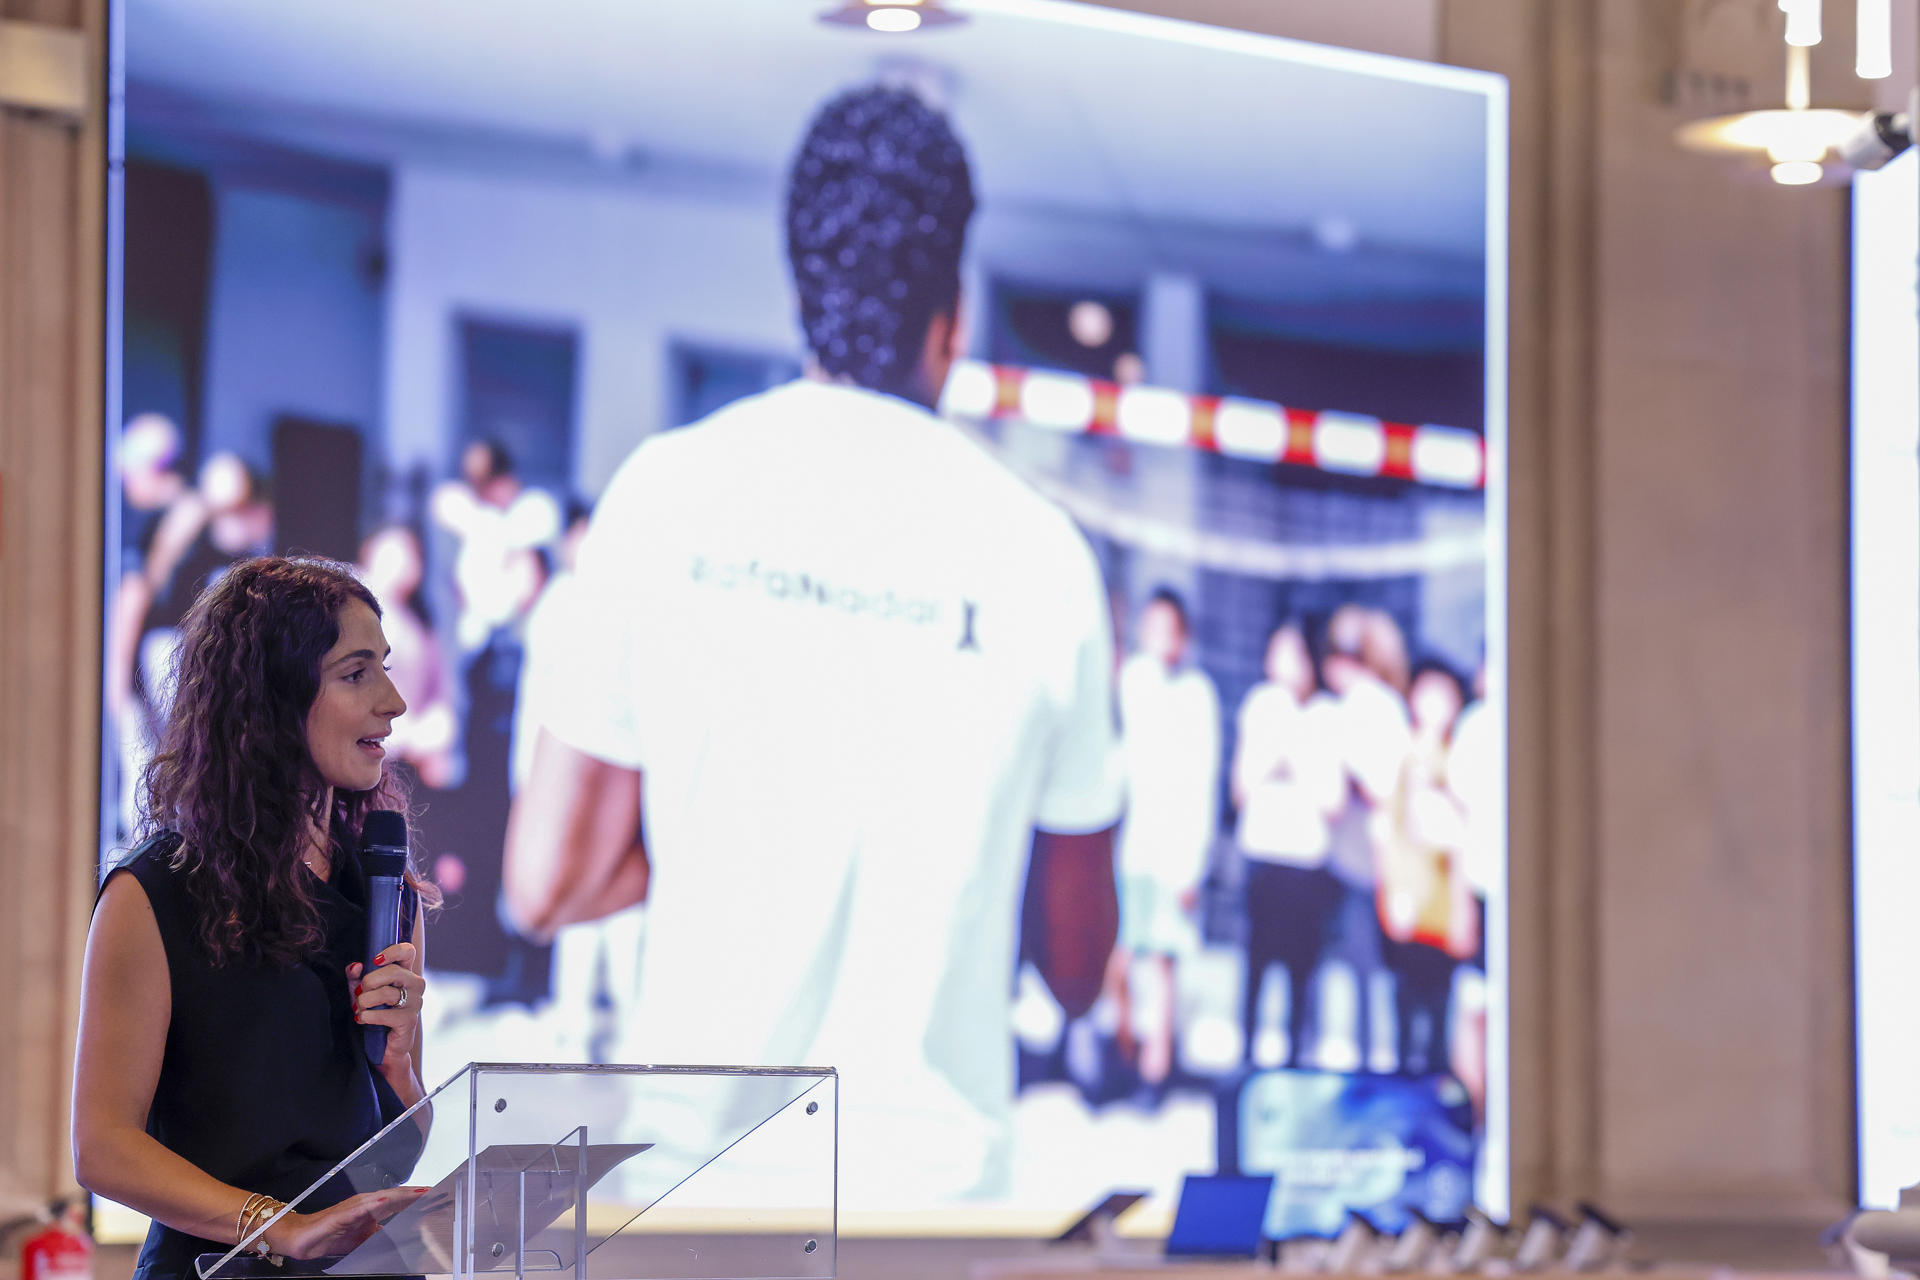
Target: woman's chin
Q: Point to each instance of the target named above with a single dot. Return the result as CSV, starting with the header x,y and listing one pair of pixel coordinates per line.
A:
x,y
360,779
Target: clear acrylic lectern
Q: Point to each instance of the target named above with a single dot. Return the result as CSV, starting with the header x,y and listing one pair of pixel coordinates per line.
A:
x,y
613,1173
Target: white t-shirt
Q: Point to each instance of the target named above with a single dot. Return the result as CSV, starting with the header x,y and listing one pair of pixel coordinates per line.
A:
x,y
858,662
1171,723
1289,776
1368,729
488,535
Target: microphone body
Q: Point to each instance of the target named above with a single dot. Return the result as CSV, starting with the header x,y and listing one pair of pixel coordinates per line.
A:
x,y
383,851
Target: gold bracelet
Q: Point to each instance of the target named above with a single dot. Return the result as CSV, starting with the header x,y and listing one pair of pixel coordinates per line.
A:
x,y
259,1209
246,1212
263,1215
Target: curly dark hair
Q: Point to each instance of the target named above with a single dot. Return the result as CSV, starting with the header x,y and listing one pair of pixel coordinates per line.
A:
x,y
232,775
877,210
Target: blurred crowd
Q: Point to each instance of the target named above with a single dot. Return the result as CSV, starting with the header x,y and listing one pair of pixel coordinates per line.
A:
x,y
1351,823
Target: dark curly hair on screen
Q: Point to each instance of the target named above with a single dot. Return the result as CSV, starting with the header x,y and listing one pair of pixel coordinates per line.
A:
x,y
232,774
877,210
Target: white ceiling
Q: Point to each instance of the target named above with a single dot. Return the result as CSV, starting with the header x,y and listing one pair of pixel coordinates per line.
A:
x,y
1061,105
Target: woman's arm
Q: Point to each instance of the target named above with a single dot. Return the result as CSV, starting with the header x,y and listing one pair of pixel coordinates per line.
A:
x,y
126,1002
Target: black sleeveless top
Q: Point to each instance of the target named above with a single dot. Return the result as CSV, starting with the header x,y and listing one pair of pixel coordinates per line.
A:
x,y
264,1083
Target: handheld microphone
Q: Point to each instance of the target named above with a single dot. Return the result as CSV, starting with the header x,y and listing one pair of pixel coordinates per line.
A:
x,y
383,851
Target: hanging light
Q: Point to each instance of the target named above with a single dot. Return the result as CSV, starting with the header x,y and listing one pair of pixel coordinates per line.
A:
x,y
895,17
1873,39
1803,21
1795,139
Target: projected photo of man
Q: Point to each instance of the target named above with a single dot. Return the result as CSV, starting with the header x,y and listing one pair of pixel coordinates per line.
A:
x,y
835,677
918,569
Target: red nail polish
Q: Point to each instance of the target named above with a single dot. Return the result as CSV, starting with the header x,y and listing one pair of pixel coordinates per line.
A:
x,y
381,958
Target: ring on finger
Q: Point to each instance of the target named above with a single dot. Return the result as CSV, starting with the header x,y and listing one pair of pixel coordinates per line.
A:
x,y
401,1003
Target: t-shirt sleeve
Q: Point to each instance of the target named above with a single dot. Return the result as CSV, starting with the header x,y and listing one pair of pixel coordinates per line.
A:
x,y
586,669
1084,787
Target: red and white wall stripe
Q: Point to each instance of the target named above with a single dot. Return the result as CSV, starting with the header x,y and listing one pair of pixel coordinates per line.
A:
x,y
1340,443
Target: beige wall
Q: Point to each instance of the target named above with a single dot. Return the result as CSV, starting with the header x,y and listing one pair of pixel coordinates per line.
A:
x,y
1681,1002
50,376
1719,464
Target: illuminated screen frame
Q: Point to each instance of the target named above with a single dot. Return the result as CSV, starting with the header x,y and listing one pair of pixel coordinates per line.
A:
x,y
1884,520
1494,1191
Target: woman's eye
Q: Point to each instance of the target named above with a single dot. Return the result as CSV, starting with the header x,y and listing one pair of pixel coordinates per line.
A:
x,y
353,677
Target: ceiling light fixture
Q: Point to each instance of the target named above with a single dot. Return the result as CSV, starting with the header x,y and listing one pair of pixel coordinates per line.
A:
x,y
1795,138
1090,323
894,17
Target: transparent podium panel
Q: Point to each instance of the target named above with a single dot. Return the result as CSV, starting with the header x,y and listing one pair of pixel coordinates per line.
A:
x,y
618,1173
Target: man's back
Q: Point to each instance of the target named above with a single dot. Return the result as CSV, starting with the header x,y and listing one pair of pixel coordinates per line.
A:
x,y
856,662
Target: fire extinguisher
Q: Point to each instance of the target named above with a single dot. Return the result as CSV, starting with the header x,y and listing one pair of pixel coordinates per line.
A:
x,y
61,1250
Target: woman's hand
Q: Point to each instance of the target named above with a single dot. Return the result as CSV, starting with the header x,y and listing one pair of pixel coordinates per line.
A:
x,y
390,997
341,1229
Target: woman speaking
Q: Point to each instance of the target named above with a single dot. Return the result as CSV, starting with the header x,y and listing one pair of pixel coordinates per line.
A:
x,y
221,1067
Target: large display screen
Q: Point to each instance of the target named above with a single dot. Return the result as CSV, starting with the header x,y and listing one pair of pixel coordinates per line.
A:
x,y
623,349
1886,669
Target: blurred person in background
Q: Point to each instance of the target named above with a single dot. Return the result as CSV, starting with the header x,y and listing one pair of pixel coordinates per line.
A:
x,y
1367,730
1286,784
469,826
150,478
392,566
822,726
150,486
595,957
1170,729
1473,779
1425,903
492,516
225,519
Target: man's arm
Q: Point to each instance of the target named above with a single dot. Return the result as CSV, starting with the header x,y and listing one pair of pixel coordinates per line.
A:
x,y
574,850
1081,907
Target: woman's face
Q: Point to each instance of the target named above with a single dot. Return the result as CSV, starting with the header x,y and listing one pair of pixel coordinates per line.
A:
x,y
356,706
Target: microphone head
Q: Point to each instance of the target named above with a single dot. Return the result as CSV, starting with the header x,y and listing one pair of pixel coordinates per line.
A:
x,y
384,827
